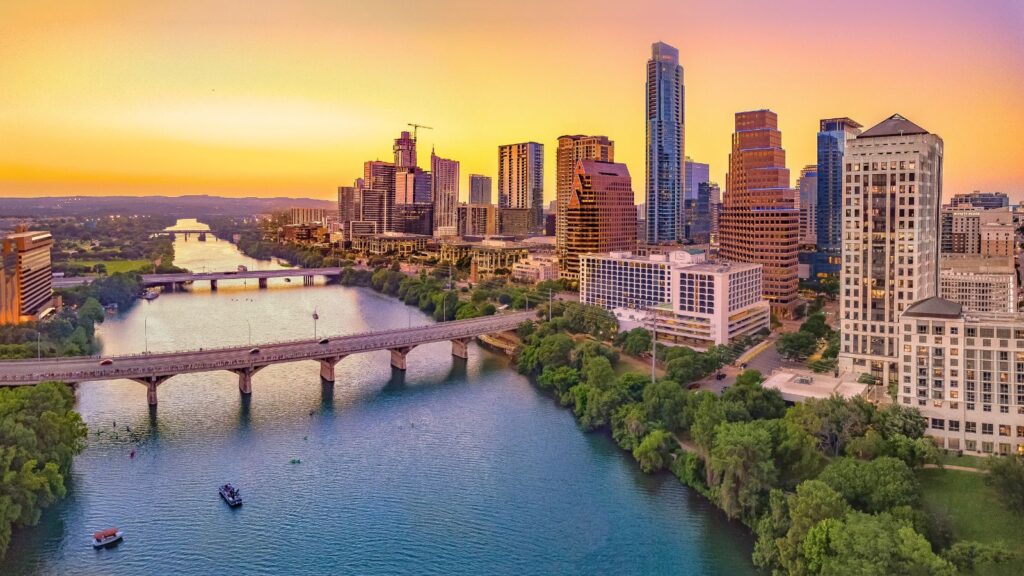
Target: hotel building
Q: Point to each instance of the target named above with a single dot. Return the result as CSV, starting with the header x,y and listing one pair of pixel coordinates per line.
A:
x,y
26,280
893,182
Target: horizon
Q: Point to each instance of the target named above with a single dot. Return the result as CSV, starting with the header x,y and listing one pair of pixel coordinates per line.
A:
x,y
201,99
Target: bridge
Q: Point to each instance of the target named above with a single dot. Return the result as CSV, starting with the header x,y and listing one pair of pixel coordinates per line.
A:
x,y
153,369
174,280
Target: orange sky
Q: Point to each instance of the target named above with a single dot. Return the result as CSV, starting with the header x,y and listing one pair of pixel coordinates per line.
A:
x,y
289,98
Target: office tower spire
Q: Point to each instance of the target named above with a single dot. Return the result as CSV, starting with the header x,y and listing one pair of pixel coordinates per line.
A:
x,y
665,144
759,221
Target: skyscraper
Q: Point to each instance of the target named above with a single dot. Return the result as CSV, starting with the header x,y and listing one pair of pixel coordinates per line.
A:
x,y
665,144
696,172
27,278
348,207
479,189
572,149
759,221
892,178
833,135
405,151
600,215
521,180
807,184
445,183
698,214
413,186
380,177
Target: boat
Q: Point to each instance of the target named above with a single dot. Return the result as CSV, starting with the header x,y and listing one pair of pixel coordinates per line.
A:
x,y
106,537
231,495
150,295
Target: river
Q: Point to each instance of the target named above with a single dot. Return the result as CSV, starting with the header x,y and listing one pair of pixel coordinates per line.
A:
x,y
455,467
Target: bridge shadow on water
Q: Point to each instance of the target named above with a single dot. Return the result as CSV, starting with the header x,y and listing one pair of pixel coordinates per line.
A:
x,y
399,382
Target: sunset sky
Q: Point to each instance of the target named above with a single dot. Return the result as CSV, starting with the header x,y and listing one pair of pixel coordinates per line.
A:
x,y
289,98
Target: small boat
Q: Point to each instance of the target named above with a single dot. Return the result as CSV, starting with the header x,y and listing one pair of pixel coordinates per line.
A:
x,y
106,537
231,495
150,295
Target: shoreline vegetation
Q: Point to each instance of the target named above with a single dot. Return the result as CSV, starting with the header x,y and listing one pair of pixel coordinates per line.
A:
x,y
40,434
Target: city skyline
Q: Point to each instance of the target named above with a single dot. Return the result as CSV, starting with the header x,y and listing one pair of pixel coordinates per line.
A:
x,y
108,101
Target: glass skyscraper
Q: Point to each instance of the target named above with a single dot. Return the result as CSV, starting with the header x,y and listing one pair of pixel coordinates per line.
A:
x,y
665,145
832,136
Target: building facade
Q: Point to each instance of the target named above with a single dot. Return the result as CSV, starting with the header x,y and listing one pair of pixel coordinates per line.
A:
x,y
375,206
833,135
515,221
893,183
982,200
405,151
479,189
599,214
27,255
415,218
759,221
688,300
306,215
979,283
666,144
536,268
571,149
807,185
965,372
477,220
521,180
380,177
445,183
696,173
348,207
698,214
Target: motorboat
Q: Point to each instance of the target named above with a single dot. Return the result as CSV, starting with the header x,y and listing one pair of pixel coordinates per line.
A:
x,y
106,537
231,495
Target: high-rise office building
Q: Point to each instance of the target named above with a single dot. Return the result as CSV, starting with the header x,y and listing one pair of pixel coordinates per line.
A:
x,y
599,213
307,215
521,180
572,149
698,214
380,176
26,285
696,172
892,177
374,207
479,189
807,184
445,183
405,151
413,186
833,134
348,207
477,220
666,122
982,200
759,221
715,211
416,218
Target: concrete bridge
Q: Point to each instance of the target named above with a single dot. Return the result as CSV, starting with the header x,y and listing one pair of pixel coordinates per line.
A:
x,y
152,370
172,281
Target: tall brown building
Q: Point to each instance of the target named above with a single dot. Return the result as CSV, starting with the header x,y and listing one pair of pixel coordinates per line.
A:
x,y
759,222
599,215
572,149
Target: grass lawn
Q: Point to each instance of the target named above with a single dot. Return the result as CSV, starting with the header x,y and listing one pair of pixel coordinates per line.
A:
x,y
114,265
965,460
975,512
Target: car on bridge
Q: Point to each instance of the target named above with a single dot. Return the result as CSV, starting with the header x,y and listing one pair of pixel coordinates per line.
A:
x,y
106,362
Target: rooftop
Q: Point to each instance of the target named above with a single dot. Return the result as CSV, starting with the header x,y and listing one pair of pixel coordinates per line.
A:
x,y
936,307
894,125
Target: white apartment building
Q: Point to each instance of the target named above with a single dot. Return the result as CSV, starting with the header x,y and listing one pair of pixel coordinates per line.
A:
x,y
965,373
692,302
892,183
979,283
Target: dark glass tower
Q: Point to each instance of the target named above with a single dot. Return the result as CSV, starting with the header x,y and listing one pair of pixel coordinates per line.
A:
x,y
832,136
665,145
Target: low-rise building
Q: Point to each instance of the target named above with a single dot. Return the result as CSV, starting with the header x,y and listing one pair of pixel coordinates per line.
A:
x,y
304,234
689,301
536,268
979,283
965,372
392,243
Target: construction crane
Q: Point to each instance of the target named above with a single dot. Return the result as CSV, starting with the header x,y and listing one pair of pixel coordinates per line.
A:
x,y
416,127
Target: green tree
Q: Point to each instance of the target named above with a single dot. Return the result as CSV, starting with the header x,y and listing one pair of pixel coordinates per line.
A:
x,y
813,502
798,345
634,342
742,467
559,379
873,486
652,452
665,402
629,425
1006,475
968,555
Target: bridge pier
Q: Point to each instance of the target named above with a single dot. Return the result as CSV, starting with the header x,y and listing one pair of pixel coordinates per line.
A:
x,y
327,367
308,280
263,282
460,348
151,382
213,285
398,357
245,378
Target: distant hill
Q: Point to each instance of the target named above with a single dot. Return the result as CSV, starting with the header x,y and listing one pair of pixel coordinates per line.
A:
x,y
177,206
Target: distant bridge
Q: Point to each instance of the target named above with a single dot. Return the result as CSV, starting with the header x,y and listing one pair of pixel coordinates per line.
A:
x,y
176,279
151,370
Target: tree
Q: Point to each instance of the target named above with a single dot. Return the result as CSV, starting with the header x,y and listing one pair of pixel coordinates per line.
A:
x,y
665,401
813,502
815,325
652,453
742,467
1006,475
629,425
559,379
833,420
967,555
759,403
598,372
708,414
870,545
875,486
796,345
634,342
